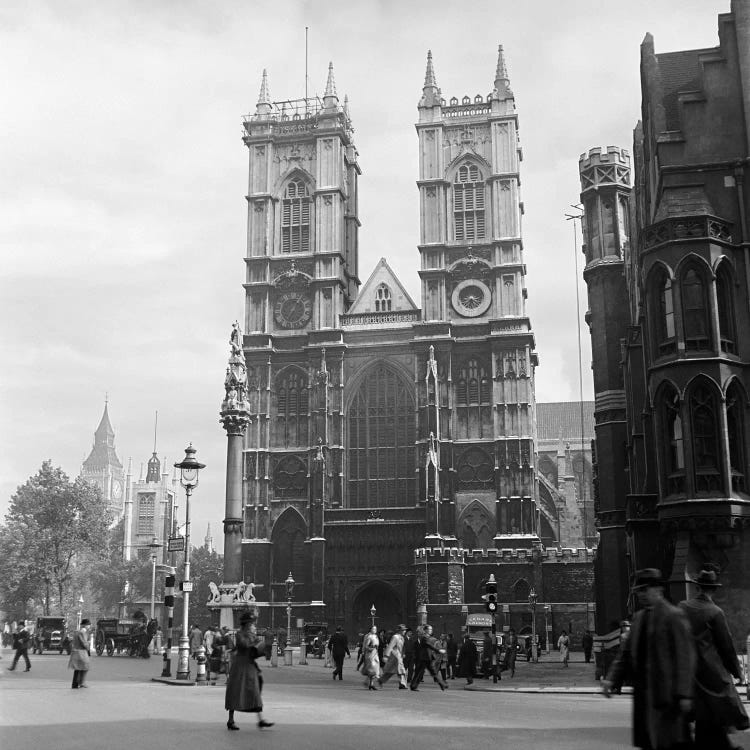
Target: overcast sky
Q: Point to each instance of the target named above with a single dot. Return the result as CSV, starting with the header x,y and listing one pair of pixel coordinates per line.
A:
x,y
122,210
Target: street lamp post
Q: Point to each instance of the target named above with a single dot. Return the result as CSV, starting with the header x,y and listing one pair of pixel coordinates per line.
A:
x,y
534,648
289,591
189,469
154,545
80,611
547,610
373,612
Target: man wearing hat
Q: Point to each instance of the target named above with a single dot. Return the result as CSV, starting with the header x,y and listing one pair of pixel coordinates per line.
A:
x,y
717,705
394,659
658,658
338,645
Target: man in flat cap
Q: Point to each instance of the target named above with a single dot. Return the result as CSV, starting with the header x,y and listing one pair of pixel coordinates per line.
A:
x,y
717,705
658,658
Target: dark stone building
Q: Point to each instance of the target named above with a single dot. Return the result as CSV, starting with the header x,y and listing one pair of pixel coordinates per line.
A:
x,y
382,453
668,273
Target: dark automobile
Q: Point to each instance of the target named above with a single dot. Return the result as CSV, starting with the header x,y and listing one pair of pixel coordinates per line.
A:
x,y
50,634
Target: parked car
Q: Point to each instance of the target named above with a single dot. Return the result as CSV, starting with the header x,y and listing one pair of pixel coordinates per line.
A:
x,y
50,634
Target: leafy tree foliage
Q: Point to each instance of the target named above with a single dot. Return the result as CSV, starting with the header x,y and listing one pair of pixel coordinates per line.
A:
x,y
51,524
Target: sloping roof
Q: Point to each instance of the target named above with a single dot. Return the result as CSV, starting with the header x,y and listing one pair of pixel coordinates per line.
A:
x,y
679,72
683,200
562,419
382,274
103,453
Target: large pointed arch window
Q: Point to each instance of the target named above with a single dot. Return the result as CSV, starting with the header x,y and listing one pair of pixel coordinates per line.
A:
x,y
725,303
291,408
295,218
381,431
474,400
695,310
468,204
673,441
288,540
704,422
736,409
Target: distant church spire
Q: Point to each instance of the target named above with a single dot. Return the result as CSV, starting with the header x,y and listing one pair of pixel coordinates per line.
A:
x,y
153,471
103,452
208,542
264,107
430,90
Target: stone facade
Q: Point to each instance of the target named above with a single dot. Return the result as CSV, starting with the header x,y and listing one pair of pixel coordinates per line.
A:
x,y
667,271
382,453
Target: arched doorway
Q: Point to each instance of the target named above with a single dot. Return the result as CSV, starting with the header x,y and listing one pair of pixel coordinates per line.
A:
x,y
389,610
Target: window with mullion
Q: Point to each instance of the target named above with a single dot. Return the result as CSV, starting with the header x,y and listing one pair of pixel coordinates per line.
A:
x,y
736,429
468,204
725,302
694,311
704,422
295,219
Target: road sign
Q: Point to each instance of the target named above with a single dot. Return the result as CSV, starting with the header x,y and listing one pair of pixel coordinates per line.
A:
x,y
187,586
176,544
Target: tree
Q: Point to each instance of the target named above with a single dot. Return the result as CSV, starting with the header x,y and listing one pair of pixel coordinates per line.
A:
x,y
51,524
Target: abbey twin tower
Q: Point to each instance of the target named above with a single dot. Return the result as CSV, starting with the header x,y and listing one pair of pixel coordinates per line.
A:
x,y
386,454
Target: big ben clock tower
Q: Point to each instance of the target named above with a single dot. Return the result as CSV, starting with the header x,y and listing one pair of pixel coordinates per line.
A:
x,y
103,467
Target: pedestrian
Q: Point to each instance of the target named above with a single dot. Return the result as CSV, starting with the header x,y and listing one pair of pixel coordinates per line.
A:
x,y
511,651
208,639
409,651
717,705
338,646
360,652
659,658
245,681
383,640
563,646
215,656
394,659
228,642
467,659
487,654
196,640
370,658
587,641
424,647
451,653
21,640
80,655
440,658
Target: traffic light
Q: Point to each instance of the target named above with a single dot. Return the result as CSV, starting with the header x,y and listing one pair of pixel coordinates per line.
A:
x,y
490,595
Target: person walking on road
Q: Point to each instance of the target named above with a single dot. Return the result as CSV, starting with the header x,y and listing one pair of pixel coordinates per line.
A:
x,y
371,658
717,705
338,645
394,659
424,648
659,659
467,659
21,640
409,653
563,646
451,652
245,682
196,640
511,651
80,655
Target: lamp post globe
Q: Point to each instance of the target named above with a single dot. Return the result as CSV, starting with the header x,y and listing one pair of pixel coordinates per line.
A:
x,y
189,469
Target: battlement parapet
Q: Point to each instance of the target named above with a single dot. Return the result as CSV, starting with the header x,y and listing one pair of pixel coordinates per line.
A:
x,y
598,155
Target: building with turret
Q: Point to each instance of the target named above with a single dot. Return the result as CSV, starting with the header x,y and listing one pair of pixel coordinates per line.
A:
x,y
667,270
382,453
103,468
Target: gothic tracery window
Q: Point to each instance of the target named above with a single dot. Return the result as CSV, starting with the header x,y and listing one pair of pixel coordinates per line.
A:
x,y
704,422
291,408
383,298
468,204
725,303
288,538
290,478
736,428
474,400
664,315
694,310
295,218
381,425
671,415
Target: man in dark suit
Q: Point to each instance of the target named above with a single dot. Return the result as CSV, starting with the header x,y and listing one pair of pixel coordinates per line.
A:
x,y
717,705
339,648
659,658
424,648
21,640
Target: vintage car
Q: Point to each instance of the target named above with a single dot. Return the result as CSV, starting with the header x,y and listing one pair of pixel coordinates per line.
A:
x,y
50,634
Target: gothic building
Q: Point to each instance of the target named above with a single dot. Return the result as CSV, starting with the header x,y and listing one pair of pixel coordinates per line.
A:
x,y
104,469
667,269
383,453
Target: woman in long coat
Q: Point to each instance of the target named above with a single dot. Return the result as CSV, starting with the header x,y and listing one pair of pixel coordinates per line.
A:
x,y
467,659
563,643
394,659
80,655
371,658
245,683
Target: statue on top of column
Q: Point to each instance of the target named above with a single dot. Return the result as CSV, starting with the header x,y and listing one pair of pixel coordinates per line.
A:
x,y
235,405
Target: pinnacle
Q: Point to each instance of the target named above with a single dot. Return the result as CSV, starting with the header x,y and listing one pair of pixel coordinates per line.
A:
x,y
264,96
330,83
501,74
429,77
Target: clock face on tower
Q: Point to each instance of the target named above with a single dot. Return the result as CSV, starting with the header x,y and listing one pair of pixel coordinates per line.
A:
x,y
292,310
471,298
116,489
